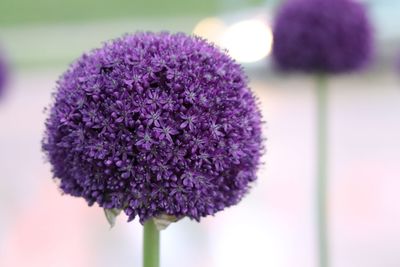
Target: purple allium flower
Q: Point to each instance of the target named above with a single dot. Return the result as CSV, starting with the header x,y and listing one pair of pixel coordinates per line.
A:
x,y
330,36
397,63
3,73
155,124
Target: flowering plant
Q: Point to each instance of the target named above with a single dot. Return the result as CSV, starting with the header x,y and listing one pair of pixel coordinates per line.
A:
x,y
329,36
157,125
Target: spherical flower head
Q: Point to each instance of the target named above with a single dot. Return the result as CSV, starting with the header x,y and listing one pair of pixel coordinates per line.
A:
x,y
3,73
155,124
397,63
328,36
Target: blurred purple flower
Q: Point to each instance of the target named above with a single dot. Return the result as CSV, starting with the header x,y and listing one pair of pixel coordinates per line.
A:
x,y
397,63
330,36
142,124
3,73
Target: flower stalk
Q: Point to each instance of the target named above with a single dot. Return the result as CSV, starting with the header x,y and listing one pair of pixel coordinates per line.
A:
x,y
322,179
151,244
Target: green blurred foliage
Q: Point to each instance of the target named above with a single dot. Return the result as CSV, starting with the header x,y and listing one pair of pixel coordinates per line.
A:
x,y
48,11
38,11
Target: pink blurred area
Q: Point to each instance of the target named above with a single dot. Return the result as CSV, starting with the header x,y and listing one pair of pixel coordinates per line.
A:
x,y
37,239
273,226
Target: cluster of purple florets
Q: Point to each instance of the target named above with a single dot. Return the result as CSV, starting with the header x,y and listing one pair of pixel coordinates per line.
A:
x,y
322,36
155,123
397,63
3,73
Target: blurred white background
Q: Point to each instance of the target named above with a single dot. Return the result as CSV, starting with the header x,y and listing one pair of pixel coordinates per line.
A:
x,y
275,224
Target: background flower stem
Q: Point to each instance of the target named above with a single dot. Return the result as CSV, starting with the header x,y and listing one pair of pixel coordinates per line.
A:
x,y
322,179
151,245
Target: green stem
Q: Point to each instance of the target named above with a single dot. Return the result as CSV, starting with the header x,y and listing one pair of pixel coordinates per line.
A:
x,y
151,245
322,180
